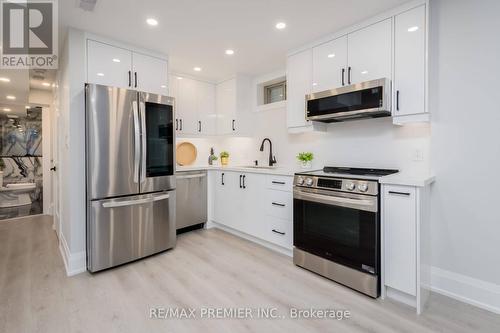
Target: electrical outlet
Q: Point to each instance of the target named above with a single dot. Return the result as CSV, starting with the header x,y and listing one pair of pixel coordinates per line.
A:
x,y
418,155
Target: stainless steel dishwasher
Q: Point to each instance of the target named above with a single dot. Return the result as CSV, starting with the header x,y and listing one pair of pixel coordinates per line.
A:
x,y
191,201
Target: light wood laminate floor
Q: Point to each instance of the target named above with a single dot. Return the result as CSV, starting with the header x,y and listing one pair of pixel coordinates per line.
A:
x,y
208,268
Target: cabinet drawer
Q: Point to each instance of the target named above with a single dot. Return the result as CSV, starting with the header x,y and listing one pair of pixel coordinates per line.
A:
x,y
279,204
278,231
282,183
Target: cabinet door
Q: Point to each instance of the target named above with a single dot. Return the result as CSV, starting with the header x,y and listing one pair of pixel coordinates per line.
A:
x,y
225,105
150,74
251,211
409,62
370,53
329,65
227,199
298,77
400,232
108,65
187,104
207,115
173,91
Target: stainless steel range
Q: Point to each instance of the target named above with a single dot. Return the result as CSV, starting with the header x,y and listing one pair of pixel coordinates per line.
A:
x,y
337,225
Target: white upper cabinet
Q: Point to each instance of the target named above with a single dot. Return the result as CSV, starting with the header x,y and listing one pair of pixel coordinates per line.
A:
x,y
409,62
151,73
226,107
207,116
119,67
329,65
370,53
108,65
187,105
298,84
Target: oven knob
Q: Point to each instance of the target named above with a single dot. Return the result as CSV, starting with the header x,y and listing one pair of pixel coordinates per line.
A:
x,y
309,181
300,181
350,186
363,187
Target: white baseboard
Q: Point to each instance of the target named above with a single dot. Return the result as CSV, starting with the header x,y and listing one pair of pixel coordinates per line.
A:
x,y
485,295
75,263
285,251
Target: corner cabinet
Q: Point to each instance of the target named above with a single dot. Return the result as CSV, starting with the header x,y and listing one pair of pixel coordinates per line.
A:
x,y
124,68
405,244
233,106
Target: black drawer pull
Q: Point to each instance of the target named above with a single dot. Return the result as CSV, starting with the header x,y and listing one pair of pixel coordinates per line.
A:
x,y
222,179
278,204
399,193
278,232
279,183
241,176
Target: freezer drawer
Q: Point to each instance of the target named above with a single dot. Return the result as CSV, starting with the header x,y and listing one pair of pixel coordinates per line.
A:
x,y
128,228
191,199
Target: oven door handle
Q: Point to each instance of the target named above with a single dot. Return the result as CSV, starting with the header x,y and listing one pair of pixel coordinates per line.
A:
x,y
361,204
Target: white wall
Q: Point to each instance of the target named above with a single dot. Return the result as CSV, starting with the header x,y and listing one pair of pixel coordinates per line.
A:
x,y
465,65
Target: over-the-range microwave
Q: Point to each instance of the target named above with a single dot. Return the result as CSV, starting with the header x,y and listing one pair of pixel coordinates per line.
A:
x,y
370,99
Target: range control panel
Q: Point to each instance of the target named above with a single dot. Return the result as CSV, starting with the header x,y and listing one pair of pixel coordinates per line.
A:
x,y
338,184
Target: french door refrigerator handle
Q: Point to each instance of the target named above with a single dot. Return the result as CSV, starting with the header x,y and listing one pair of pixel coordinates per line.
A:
x,y
143,140
137,139
114,204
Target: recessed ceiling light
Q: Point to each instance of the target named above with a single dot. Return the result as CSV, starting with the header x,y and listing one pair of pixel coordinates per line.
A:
x,y
364,72
315,84
229,52
197,69
331,55
152,22
116,60
280,25
10,97
179,78
163,86
4,79
100,74
7,109
46,84
412,29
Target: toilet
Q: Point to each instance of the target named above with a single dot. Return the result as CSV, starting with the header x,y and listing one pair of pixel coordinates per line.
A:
x,y
17,194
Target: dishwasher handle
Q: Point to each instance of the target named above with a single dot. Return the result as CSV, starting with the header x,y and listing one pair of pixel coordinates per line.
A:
x,y
200,175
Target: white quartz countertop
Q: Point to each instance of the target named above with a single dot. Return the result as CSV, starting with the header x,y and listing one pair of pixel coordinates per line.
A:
x,y
401,178
283,171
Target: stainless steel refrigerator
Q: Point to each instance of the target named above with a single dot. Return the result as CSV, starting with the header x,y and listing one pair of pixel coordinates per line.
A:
x,y
130,147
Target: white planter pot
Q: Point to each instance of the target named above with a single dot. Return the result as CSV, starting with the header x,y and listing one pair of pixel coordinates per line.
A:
x,y
306,165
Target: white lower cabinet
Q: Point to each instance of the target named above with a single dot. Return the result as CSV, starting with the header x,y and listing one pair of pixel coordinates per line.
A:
x,y
243,202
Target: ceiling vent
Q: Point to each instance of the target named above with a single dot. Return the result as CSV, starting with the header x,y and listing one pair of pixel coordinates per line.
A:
x,y
87,5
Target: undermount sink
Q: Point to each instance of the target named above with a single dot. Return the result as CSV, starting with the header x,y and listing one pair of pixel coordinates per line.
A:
x,y
258,167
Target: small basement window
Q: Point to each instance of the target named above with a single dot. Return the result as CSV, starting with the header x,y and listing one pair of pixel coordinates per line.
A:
x,y
275,92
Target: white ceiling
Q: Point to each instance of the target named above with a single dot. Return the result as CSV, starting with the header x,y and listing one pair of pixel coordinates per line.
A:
x,y
196,32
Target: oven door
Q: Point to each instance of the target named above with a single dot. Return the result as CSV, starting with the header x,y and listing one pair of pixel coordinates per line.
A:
x,y
338,226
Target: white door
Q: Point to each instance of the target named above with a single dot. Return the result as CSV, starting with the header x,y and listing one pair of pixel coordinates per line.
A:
x,y
298,81
251,200
329,65
151,73
187,103
109,65
409,62
227,199
225,105
56,145
173,91
400,233
370,55
206,108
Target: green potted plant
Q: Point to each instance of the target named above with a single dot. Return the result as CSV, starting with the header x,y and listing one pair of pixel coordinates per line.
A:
x,y
224,157
305,159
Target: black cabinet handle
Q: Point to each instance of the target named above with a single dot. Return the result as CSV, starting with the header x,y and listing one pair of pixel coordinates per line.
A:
x,y
349,75
199,125
222,179
234,129
129,78
343,73
180,124
241,176
244,180
278,232
397,100
176,124
53,168
278,204
279,183
399,193
135,79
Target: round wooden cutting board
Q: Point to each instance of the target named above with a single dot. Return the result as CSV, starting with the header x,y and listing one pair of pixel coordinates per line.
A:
x,y
186,153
